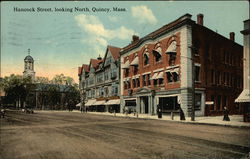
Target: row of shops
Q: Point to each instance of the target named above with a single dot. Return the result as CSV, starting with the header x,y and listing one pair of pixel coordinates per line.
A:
x,y
103,105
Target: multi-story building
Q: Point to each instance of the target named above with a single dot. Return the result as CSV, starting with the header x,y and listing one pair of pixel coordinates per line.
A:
x,y
99,82
160,70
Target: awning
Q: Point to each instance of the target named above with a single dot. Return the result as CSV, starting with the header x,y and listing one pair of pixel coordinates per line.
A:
x,y
244,96
125,65
154,76
135,61
78,105
172,48
175,70
160,75
158,50
101,102
113,102
90,102
209,102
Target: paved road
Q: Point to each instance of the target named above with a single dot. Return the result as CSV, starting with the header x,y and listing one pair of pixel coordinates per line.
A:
x,y
69,135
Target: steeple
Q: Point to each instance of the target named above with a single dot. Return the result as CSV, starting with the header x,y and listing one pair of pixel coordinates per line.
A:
x,y
29,66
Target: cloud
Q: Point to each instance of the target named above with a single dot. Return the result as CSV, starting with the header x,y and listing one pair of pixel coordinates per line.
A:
x,y
92,25
113,18
143,14
97,35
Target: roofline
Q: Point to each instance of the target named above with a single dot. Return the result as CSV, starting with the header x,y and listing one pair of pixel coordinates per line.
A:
x,y
185,19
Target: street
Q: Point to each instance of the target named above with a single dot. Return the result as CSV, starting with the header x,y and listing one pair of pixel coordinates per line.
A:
x,y
71,135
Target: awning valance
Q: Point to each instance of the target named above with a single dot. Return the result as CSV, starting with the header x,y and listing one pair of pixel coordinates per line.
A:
x,y
175,70
101,102
154,76
90,102
160,75
172,48
244,96
113,102
125,65
135,61
159,50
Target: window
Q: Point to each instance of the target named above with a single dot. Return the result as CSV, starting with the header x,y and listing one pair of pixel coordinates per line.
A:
x,y
218,104
146,59
125,85
148,79
157,54
136,68
160,81
175,76
126,72
106,75
144,80
114,90
169,77
197,73
197,101
212,106
128,84
155,82
137,82
113,73
196,46
172,58
134,83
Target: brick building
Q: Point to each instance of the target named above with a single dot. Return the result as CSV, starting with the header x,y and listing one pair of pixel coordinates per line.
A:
x,y
161,68
99,82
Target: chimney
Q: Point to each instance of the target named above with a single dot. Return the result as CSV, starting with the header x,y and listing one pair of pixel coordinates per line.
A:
x,y
200,19
231,35
135,38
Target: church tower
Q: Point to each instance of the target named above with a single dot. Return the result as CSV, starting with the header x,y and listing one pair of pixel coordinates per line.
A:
x,y
29,67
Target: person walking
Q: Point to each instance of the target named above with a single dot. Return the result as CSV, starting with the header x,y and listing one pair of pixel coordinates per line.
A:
x,y
226,113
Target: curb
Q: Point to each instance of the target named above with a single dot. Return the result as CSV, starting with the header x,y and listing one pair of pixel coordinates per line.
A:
x,y
184,122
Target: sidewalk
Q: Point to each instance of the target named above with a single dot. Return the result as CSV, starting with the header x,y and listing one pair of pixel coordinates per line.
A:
x,y
235,120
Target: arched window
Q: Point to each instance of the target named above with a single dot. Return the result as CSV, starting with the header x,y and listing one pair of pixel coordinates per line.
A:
x,y
146,58
157,54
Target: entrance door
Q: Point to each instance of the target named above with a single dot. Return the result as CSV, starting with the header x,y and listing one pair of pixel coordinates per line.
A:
x,y
145,103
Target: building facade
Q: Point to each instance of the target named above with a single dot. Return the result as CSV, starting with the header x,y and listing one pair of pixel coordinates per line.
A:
x,y
244,97
99,82
162,70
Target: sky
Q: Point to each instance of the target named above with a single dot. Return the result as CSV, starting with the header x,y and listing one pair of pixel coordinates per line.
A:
x,y
61,41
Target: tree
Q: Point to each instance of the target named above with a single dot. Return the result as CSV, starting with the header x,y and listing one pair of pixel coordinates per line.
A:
x,y
44,80
15,88
61,79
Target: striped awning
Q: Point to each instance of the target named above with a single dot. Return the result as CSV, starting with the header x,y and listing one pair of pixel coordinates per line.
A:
x,y
160,75
135,61
154,76
125,65
113,102
90,102
101,102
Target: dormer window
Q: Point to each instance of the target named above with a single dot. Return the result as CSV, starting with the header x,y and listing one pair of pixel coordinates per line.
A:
x,y
158,54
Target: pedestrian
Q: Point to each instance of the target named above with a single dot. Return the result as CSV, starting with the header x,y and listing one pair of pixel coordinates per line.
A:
x,y
182,116
159,111
226,113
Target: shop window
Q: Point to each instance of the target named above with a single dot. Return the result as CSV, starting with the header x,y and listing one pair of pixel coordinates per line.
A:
x,y
197,101
218,104
212,106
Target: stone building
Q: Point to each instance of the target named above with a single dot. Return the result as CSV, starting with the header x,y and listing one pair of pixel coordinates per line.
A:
x,y
163,68
244,97
99,82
